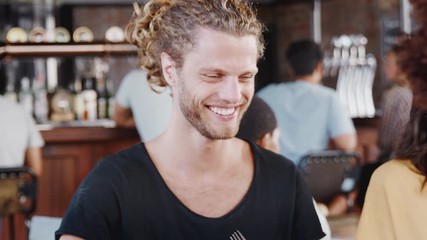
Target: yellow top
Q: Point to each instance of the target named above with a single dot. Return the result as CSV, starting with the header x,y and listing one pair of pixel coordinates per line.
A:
x,y
395,207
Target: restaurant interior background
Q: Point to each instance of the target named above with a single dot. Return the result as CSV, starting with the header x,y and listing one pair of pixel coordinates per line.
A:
x,y
286,20
72,150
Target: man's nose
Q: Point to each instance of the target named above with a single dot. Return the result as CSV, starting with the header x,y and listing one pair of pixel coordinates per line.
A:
x,y
231,90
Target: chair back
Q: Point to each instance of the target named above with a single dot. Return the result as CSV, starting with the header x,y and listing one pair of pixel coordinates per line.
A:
x,y
18,195
18,191
328,173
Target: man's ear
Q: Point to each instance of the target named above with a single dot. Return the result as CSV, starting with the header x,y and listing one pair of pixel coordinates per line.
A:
x,y
168,69
290,70
264,140
318,72
319,67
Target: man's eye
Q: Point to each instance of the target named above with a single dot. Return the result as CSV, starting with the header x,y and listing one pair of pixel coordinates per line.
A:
x,y
246,77
212,75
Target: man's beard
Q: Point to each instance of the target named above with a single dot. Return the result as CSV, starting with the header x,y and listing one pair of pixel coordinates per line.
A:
x,y
194,112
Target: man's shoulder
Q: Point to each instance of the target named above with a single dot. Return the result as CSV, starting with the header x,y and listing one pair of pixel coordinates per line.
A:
x,y
326,95
269,159
10,106
125,159
275,171
16,113
136,74
135,79
325,90
274,93
272,88
313,90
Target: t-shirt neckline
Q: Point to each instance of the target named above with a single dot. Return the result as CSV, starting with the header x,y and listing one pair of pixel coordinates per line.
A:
x,y
248,196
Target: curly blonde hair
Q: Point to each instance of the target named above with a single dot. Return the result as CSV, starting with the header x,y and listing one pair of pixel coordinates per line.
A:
x,y
168,26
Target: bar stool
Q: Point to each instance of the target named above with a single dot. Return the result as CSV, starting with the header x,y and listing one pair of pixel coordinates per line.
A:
x,y
18,195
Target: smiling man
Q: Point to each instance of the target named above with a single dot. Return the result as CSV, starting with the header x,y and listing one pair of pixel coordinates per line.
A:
x,y
195,180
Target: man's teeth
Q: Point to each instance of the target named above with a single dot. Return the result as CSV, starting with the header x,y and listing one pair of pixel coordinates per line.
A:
x,y
222,111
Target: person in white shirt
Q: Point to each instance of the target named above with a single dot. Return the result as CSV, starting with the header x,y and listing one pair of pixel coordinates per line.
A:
x,y
20,141
140,106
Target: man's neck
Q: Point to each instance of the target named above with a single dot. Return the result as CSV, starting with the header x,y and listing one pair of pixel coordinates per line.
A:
x,y
309,78
210,177
192,152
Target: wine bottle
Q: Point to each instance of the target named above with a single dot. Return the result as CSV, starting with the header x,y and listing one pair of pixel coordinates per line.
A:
x,y
102,101
110,99
89,97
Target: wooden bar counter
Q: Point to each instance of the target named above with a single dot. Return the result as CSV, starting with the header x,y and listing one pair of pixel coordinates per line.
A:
x,y
68,156
70,153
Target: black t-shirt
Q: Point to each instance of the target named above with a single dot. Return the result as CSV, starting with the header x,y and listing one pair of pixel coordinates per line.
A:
x,y
124,197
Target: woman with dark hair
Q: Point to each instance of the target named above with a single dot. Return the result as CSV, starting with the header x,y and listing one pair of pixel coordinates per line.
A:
x,y
396,105
396,201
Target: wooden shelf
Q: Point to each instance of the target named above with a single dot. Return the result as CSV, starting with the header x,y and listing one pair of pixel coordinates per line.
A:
x,y
66,49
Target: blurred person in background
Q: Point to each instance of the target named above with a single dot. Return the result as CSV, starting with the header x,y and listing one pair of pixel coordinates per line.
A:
x,y
20,141
142,105
396,106
396,201
309,114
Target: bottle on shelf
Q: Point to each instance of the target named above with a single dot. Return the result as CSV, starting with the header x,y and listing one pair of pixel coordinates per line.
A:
x,y
78,102
25,95
110,98
41,105
102,99
89,96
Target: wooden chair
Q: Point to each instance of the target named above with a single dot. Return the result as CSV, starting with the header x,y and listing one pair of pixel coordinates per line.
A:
x,y
329,173
18,195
